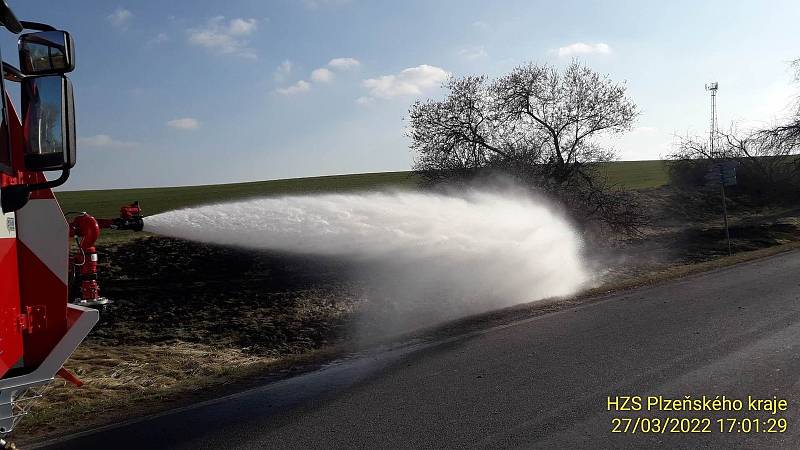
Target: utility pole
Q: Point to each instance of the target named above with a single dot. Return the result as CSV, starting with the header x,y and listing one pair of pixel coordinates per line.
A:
x,y
712,135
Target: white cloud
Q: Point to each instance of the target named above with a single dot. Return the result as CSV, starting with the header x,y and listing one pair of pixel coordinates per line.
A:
x,y
104,141
411,81
283,70
225,37
297,88
160,38
120,17
322,75
319,75
473,53
242,27
184,123
344,63
581,48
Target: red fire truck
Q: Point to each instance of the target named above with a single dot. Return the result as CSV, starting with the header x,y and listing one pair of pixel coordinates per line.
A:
x,y
40,326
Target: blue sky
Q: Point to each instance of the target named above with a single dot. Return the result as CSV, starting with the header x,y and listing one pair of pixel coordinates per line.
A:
x,y
180,92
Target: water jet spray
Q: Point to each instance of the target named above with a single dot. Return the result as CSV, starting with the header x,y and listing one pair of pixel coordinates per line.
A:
x,y
432,255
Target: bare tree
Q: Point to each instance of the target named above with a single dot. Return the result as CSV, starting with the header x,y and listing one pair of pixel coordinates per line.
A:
x,y
787,134
537,123
457,135
566,112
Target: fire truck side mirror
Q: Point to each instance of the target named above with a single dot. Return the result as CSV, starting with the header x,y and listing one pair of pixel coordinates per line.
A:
x,y
48,125
46,52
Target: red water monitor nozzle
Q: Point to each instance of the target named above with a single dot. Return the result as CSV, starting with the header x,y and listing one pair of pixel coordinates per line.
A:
x,y
130,218
86,229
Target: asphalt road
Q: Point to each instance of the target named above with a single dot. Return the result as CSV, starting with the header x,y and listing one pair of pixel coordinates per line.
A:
x,y
542,382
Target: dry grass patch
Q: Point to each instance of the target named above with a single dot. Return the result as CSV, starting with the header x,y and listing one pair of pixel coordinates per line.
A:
x,y
125,381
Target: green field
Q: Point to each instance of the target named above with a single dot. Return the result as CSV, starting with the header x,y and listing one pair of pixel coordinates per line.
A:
x,y
106,203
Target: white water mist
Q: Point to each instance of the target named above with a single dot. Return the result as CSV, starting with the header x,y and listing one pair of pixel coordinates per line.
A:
x,y
426,257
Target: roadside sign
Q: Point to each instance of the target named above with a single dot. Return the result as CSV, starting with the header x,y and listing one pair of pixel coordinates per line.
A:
x,y
722,173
